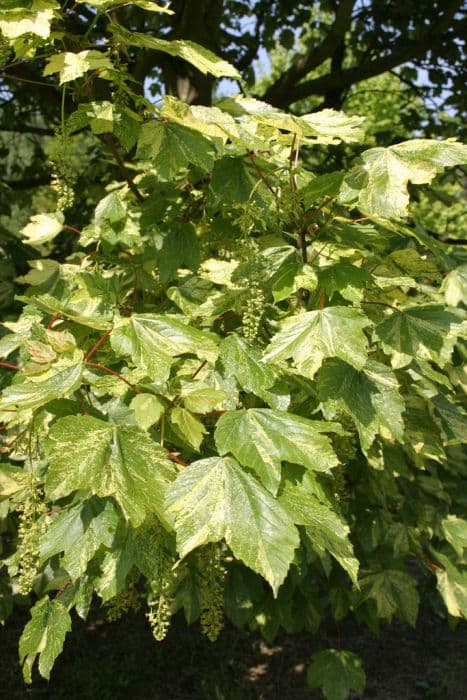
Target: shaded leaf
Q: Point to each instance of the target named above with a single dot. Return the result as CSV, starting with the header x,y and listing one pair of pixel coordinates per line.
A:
x,y
371,397
337,672
424,332
44,636
323,526
394,592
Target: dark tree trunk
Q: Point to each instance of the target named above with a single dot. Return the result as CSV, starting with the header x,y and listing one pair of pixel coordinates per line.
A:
x,y
199,21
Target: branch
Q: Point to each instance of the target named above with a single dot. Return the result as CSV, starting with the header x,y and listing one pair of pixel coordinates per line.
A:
x,y
27,183
111,142
19,128
403,52
278,92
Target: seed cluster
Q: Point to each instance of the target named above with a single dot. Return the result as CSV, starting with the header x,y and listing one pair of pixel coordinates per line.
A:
x,y
253,314
63,176
126,600
161,594
32,524
211,592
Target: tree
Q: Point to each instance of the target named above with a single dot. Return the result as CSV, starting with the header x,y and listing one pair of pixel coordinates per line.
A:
x,y
233,371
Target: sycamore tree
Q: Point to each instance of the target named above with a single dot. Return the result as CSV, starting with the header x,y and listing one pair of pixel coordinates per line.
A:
x,y
232,352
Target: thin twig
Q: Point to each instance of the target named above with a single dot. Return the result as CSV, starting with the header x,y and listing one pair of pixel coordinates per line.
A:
x,y
54,318
98,344
96,365
8,365
260,173
72,228
109,140
175,458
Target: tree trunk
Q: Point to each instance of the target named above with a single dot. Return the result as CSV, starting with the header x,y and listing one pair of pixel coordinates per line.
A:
x,y
199,21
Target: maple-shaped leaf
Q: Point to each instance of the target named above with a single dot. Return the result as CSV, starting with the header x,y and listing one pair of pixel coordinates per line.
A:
x,y
199,56
455,286
343,277
323,526
380,184
172,147
235,181
177,246
215,499
337,672
243,361
455,531
148,409
108,460
428,331
43,635
452,585
36,391
190,428
73,65
370,396
262,438
394,592
35,19
148,5
154,341
79,532
43,228
309,338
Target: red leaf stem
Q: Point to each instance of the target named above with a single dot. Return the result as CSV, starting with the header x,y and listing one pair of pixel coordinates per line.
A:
x,y
96,346
115,374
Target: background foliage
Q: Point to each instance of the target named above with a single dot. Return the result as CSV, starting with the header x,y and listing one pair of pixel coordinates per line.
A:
x,y
233,336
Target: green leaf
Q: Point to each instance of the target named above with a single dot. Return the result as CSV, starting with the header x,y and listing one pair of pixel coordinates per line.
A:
x,y
172,147
214,499
35,19
453,420
337,672
243,361
332,127
282,266
455,286
452,585
370,397
38,390
190,428
107,460
343,277
74,65
262,438
178,247
312,336
209,121
382,179
44,635
79,532
148,409
147,5
321,187
455,531
394,592
201,399
154,341
43,228
428,331
199,56
323,526
234,180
